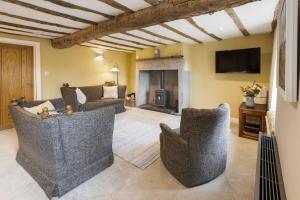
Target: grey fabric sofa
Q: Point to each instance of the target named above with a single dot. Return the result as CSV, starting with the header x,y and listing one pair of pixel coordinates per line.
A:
x,y
60,152
94,96
196,153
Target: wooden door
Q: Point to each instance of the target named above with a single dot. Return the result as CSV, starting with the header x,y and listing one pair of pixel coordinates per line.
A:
x,y
16,78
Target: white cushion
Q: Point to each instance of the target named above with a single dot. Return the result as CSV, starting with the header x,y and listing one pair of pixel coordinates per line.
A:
x,y
80,96
39,108
110,92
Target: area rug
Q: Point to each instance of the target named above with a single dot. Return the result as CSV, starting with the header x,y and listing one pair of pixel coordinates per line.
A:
x,y
136,135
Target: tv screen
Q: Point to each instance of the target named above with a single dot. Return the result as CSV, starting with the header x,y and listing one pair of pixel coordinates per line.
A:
x,y
238,61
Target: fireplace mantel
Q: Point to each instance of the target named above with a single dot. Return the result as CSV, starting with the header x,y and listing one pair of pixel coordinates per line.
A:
x,y
159,58
170,63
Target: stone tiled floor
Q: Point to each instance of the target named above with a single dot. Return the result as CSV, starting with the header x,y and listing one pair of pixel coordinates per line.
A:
x,y
124,181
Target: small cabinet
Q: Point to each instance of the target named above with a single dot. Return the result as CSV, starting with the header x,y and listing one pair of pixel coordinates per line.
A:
x,y
252,121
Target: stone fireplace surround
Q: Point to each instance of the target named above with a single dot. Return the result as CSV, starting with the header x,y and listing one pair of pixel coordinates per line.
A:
x,y
173,63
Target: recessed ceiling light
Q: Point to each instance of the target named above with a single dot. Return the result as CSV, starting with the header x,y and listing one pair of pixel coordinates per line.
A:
x,y
221,28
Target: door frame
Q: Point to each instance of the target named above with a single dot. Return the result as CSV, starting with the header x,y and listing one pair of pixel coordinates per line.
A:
x,y
36,64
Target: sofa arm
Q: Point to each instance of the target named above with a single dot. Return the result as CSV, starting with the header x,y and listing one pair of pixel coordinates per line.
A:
x,y
122,91
36,136
171,139
87,136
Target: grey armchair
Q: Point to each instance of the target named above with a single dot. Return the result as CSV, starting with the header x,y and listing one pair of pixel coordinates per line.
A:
x,y
197,153
61,152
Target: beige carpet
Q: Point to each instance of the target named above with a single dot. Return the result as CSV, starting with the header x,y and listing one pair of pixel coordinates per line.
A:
x,y
124,181
136,135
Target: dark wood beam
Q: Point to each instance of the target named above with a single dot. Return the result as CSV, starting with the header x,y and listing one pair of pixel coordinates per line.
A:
x,y
165,11
20,34
115,43
73,6
51,12
108,46
180,33
237,21
143,38
132,41
31,28
38,21
192,22
104,48
158,35
22,31
117,5
153,2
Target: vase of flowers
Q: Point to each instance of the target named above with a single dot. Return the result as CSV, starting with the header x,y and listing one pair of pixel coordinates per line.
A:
x,y
250,92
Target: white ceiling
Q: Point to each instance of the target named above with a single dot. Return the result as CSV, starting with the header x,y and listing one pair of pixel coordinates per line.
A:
x,y
256,18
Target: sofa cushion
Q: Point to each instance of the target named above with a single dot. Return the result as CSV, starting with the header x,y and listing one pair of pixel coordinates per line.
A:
x,y
70,97
100,103
110,92
121,91
39,108
92,93
81,98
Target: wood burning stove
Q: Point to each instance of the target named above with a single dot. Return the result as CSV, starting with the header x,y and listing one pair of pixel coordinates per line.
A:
x,y
162,95
162,98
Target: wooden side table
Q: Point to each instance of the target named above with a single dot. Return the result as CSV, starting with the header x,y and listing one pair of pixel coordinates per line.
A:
x,y
130,102
252,121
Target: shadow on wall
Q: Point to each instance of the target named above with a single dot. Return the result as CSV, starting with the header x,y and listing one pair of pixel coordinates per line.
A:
x,y
239,77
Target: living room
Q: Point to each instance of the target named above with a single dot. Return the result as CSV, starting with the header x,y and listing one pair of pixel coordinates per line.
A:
x,y
152,108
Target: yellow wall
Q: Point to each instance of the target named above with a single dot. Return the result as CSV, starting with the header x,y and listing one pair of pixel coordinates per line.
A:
x,y
76,65
209,89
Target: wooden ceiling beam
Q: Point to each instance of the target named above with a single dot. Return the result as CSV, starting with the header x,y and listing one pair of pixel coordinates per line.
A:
x,y
73,6
165,11
99,47
108,46
115,43
143,38
22,31
51,12
117,5
38,21
192,22
132,41
180,33
158,35
31,28
237,21
153,2
20,34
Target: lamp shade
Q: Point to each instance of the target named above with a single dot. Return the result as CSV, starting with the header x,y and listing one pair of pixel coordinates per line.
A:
x,y
115,69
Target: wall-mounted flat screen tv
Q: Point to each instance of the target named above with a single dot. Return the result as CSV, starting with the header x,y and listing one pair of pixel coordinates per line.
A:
x,y
238,61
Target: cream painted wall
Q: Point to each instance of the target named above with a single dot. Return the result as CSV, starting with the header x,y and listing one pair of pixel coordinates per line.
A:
x,y
209,89
76,65
288,136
